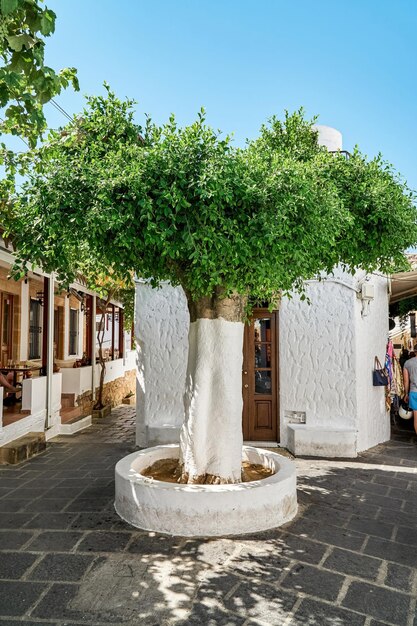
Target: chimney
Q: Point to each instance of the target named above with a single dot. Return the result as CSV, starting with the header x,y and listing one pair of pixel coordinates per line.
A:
x,y
329,137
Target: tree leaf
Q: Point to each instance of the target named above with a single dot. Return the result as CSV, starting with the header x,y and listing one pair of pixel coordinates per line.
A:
x,y
47,24
8,6
16,42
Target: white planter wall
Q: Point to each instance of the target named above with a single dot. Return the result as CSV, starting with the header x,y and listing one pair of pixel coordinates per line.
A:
x,y
205,510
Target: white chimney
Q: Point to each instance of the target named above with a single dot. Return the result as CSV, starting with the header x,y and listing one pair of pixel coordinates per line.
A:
x,y
329,137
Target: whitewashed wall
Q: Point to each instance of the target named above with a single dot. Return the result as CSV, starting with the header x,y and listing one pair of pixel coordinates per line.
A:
x,y
161,330
326,360
76,379
326,352
373,421
317,368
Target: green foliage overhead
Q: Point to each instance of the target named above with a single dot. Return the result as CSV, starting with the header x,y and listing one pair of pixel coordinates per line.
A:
x,y
26,83
186,205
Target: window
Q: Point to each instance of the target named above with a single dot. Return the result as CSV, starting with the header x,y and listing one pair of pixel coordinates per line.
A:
x,y
73,331
35,330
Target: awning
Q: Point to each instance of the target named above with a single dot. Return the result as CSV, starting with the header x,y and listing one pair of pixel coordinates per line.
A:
x,y
403,285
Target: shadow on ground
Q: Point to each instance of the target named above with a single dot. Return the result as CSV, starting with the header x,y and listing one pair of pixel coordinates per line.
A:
x,y
348,558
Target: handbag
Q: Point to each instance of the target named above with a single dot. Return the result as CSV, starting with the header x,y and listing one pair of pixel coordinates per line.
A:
x,y
379,375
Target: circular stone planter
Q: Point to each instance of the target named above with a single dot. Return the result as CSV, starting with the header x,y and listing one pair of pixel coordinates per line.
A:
x,y
205,510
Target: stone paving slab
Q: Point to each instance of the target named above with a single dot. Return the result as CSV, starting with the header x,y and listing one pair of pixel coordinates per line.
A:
x,y
66,558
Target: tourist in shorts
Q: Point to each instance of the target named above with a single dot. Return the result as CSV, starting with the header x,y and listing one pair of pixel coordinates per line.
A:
x,y
410,385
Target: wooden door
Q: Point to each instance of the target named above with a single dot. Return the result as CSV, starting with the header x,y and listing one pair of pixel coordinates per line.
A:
x,y
6,327
260,377
59,333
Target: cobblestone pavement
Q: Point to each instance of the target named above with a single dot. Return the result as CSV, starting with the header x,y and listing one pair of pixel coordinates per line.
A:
x,y
348,559
118,427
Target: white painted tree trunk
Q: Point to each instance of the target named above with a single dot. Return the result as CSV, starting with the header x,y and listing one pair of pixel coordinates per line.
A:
x,y
211,437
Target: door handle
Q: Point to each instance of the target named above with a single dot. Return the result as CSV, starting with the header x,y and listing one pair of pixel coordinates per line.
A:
x,y
246,386
245,372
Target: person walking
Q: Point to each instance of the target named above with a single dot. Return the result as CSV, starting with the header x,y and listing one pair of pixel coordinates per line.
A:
x,y
410,385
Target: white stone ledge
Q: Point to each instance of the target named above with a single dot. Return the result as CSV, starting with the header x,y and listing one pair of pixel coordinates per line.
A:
x,y
326,442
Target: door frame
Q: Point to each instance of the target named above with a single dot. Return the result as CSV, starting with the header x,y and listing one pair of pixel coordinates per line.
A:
x,y
259,313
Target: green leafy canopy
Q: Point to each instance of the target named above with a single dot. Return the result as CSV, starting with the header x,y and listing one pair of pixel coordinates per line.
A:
x,y
186,205
26,83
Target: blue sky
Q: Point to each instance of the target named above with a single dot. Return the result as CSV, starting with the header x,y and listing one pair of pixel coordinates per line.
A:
x,y
352,62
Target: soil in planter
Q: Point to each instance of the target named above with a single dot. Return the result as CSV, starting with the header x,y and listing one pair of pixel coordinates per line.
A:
x,y
169,471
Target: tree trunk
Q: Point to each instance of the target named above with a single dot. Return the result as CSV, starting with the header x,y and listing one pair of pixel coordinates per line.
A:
x,y
100,337
211,437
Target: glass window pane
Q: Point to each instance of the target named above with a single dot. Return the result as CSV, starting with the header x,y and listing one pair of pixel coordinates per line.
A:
x,y
262,329
116,331
263,383
35,330
262,355
6,320
73,332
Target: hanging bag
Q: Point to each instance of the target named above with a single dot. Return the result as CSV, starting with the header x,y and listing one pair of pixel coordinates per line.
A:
x,y
379,375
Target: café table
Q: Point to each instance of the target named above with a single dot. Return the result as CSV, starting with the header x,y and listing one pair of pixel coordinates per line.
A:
x,y
19,369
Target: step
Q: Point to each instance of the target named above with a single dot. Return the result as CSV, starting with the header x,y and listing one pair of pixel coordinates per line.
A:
x,y
70,414
22,449
68,400
75,425
13,414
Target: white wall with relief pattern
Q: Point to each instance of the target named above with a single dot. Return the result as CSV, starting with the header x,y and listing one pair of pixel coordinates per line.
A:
x,y
326,352
161,331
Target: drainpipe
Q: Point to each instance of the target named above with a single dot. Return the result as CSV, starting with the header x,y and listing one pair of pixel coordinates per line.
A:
x,y
50,353
93,346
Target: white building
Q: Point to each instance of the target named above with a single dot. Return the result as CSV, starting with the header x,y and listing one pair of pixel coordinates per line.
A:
x,y
48,344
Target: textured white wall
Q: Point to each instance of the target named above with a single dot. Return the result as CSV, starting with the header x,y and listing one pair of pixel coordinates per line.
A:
x,y
161,330
326,360
317,356
371,337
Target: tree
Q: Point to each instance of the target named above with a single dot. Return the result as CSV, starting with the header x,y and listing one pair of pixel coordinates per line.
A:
x,y
232,226
26,83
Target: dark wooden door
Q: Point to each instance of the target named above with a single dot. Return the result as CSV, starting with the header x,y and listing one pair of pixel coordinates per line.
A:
x,y
6,328
260,377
